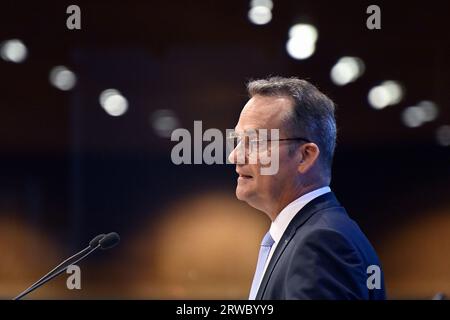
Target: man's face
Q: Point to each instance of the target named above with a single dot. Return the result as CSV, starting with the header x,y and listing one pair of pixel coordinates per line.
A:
x,y
265,192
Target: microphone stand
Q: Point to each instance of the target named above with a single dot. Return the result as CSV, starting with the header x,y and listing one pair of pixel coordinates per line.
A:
x,y
59,269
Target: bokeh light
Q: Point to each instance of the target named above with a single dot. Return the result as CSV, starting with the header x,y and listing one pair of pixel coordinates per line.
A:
x,y
260,15
62,78
347,70
302,41
386,94
164,121
443,135
113,102
415,116
13,50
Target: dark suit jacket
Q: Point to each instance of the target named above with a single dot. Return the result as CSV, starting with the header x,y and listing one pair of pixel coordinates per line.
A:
x,y
322,255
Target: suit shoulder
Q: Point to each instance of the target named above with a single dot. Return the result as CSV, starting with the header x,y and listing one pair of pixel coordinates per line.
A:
x,y
334,226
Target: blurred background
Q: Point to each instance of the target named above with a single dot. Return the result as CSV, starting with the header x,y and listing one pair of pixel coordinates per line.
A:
x,y
86,118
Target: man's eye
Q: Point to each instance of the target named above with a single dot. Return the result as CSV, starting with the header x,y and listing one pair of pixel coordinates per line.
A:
x,y
254,143
233,140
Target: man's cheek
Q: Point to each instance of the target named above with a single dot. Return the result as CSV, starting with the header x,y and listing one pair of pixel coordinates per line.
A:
x,y
270,162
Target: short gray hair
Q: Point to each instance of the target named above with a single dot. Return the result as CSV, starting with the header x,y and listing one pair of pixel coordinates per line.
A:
x,y
313,117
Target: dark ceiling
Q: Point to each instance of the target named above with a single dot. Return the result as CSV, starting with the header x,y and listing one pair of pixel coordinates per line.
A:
x,y
194,57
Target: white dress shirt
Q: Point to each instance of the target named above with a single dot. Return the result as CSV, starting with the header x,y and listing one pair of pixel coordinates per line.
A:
x,y
286,215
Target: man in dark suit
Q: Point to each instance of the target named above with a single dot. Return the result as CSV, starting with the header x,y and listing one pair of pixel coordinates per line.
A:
x,y
313,250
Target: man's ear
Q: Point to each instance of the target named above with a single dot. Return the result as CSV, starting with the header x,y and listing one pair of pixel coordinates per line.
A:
x,y
310,154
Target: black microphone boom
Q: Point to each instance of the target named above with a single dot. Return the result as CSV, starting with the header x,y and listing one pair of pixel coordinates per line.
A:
x,y
109,241
101,241
94,242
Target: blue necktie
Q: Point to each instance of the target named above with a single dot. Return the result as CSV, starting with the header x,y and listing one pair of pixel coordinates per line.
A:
x,y
264,251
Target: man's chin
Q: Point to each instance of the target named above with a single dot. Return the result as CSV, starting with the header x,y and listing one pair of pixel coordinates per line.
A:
x,y
251,198
243,195
239,195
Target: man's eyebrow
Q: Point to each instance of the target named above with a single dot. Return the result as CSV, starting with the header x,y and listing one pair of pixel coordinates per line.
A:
x,y
252,130
249,131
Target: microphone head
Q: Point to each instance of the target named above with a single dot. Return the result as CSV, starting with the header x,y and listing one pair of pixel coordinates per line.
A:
x,y
109,241
94,242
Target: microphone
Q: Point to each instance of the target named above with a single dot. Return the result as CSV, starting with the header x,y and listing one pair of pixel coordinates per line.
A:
x,y
108,241
101,241
94,242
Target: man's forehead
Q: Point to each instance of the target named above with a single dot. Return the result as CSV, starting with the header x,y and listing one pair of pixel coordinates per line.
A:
x,y
268,103
251,131
264,112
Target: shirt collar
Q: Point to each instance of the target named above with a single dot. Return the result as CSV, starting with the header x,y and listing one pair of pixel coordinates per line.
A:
x,y
283,219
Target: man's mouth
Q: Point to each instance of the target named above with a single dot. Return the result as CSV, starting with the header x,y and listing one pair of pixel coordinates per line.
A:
x,y
243,175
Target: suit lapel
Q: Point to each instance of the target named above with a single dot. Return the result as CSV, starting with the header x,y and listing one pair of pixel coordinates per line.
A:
x,y
324,201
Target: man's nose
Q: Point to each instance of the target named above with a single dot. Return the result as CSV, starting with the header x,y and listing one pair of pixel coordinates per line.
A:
x,y
232,156
238,155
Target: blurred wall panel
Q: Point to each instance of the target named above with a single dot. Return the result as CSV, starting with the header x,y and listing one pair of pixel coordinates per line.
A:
x,y
202,246
416,255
